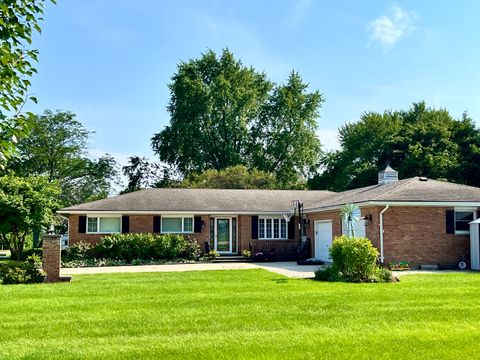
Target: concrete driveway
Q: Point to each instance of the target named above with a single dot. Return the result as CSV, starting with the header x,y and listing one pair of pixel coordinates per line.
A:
x,y
287,268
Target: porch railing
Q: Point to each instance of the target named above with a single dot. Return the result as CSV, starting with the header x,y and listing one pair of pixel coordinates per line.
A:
x,y
283,249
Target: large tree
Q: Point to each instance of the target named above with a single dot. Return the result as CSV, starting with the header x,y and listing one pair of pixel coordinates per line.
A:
x,y
235,177
223,114
19,19
420,141
142,173
26,204
57,148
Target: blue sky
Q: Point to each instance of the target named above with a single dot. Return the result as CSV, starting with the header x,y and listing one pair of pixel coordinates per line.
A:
x,y
109,61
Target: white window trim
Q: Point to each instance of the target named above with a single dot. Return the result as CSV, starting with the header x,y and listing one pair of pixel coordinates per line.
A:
x,y
183,217
463,209
98,224
280,218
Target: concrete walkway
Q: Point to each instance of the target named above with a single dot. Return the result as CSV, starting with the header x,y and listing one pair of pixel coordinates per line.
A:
x,y
290,268
287,268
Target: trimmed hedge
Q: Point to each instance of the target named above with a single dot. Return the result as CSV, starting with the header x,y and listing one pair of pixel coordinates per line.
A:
x,y
135,247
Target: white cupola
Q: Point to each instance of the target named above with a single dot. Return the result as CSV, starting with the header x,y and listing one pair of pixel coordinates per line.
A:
x,y
387,176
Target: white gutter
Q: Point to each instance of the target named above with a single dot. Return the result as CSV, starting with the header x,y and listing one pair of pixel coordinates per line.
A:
x,y
166,212
427,203
382,258
399,203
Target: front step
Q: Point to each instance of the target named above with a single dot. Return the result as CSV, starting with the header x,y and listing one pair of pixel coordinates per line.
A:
x,y
230,259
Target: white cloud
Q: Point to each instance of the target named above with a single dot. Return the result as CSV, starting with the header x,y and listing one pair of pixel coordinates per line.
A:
x,y
298,12
329,139
389,29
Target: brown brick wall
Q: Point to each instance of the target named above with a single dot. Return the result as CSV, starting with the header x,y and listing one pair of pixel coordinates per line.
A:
x,y
414,234
141,223
244,232
418,234
203,236
144,223
74,236
138,224
51,257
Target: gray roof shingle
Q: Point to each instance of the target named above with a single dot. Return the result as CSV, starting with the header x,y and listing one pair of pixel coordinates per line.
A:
x,y
191,200
263,201
415,189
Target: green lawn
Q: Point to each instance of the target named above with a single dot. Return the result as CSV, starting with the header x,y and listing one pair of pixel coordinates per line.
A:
x,y
241,314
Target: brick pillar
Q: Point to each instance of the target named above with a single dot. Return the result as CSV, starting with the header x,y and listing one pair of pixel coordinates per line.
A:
x,y
51,257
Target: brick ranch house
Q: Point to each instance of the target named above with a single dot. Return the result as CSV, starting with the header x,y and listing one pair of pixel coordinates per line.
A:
x,y
419,220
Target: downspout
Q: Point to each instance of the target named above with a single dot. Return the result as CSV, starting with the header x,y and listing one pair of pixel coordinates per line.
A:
x,y
382,258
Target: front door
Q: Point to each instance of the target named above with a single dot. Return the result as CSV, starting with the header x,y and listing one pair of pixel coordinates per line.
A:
x,y
223,235
323,239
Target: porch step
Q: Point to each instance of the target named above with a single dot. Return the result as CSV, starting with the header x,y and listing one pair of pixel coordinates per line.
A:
x,y
230,259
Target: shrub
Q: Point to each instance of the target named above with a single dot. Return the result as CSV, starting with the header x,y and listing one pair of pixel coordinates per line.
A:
x,y
130,248
125,247
354,258
210,256
26,272
247,254
327,273
191,250
383,275
114,262
77,251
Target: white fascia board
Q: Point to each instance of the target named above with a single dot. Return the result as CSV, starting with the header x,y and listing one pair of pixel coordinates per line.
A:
x,y
460,204
330,208
160,212
428,203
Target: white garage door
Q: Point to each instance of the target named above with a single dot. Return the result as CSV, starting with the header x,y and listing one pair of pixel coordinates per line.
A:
x,y
323,239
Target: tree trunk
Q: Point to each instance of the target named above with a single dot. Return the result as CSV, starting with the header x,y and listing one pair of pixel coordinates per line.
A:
x,y
16,245
36,238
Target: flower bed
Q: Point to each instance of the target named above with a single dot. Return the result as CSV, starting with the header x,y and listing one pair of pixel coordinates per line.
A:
x,y
399,265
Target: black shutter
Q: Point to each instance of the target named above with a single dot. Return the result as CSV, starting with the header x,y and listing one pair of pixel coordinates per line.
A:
x,y
82,224
157,219
291,228
450,221
254,227
125,224
197,224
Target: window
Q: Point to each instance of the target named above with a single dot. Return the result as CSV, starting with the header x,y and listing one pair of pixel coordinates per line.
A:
x,y
92,225
187,225
177,224
462,220
109,225
268,228
272,228
103,225
276,228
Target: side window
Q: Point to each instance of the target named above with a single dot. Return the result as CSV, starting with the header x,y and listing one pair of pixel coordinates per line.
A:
x,y
462,220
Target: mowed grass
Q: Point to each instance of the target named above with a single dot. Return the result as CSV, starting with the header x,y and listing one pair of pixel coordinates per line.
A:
x,y
241,314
